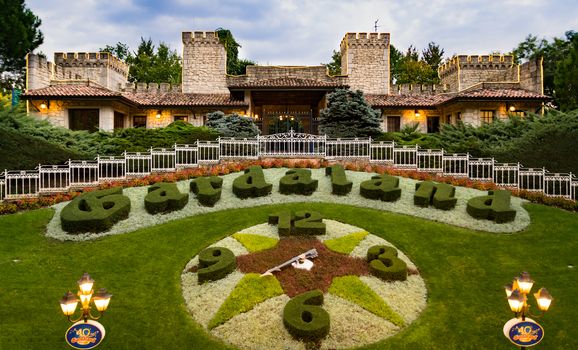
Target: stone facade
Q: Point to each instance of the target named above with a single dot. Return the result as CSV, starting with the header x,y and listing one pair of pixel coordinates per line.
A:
x,y
365,61
204,63
462,72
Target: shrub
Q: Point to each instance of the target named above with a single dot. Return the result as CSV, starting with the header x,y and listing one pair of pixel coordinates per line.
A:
x,y
304,317
309,223
232,125
207,189
215,263
165,197
95,211
384,263
251,184
297,181
495,206
439,194
339,184
384,187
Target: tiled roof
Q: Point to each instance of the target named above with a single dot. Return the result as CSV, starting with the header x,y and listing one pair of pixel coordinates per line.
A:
x,y
501,94
181,99
407,100
72,90
288,83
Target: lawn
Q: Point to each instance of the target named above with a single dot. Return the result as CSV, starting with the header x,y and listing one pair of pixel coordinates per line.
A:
x,y
465,272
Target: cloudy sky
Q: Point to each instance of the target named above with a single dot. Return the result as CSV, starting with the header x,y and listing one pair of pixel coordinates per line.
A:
x,y
300,32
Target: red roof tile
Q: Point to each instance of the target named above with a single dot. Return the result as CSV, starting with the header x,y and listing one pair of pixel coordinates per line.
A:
x,y
502,94
181,99
72,90
288,83
407,100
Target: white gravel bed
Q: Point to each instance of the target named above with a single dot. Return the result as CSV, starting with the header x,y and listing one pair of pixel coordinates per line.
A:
x,y
139,218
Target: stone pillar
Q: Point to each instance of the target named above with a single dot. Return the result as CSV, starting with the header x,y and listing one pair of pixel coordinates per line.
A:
x,y
204,63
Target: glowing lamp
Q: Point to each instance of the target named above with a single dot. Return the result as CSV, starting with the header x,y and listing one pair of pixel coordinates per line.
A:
x,y
68,303
543,298
43,105
158,115
516,301
85,284
416,113
512,109
101,299
525,282
509,288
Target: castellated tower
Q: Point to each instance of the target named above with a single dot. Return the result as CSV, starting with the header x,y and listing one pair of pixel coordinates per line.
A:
x,y
204,63
365,61
462,72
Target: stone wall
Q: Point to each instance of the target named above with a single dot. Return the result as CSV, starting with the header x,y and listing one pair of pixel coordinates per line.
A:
x,y
102,68
257,73
462,72
417,89
365,61
204,63
531,76
38,72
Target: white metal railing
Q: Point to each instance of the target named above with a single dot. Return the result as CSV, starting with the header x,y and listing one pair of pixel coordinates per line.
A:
x,y
83,173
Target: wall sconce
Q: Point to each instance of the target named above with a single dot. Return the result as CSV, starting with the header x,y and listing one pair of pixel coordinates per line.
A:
x,y
256,116
512,109
158,114
416,113
45,104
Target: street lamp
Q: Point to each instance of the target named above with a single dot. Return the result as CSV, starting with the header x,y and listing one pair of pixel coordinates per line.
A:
x,y
522,330
69,302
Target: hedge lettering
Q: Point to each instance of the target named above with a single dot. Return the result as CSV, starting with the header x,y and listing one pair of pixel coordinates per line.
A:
x,y
304,317
207,189
251,184
495,206
165,197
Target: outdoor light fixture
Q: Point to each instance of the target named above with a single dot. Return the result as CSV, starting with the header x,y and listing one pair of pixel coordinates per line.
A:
x,y
158,115
69,301
45,104
522,330
512,109
416,113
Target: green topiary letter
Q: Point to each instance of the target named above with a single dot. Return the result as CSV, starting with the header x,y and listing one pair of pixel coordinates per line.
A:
x,y
95,211
215,263
165,197
495,206
439,194
339,183
251,184
384,263
382,187
207,189
297,181
304,318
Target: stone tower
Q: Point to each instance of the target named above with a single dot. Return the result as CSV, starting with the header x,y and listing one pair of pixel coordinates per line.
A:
x,y
204,63
462,72
365,61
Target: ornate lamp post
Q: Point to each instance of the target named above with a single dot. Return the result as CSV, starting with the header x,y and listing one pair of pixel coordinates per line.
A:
x,y
522,330
85,333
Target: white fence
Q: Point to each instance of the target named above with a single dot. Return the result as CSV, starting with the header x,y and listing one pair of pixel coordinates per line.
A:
x,y
47,179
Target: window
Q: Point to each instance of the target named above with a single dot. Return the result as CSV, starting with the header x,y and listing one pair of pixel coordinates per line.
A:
x,y
118,120
519,113
184,118
392,123
139,121
459,117
487,117
448,119
433,124
83,119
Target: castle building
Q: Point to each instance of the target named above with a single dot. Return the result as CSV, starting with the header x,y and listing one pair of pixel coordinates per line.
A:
x,y
90,91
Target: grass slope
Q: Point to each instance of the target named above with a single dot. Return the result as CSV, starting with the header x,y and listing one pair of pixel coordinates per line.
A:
x,y
464,271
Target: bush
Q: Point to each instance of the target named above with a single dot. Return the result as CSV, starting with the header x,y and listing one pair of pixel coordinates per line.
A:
x,y
439,194
207,189
297,181
164,198
95,211
384,187
215,263
495,206
232,125
252,184
304,318
339,183
384,263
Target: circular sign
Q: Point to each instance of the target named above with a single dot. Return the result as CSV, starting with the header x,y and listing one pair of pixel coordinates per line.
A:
x,y
524,333
85,335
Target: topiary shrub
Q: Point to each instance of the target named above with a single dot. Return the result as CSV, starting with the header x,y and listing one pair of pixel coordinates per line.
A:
x,y
495,206
309,223
384,263
164,197
298,181
251,184
439,194
384,187
284,221
304,318
95,211
207,189
339,183
215,263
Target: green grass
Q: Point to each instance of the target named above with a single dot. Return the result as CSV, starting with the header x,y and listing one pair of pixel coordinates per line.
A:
x,y
353,289
255,243
251,290
345,244
464,270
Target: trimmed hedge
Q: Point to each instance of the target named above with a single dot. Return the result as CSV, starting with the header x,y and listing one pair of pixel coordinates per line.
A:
x,y
207,189
252,184
309,223
165,197
439,194
384,187
384,263
215,263
495,206
298,181
95,211
304,317
339,183
284,221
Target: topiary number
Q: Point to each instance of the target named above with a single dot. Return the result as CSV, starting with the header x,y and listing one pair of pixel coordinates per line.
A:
x,y
207,189
304,317
340,186
302,222
215,263
165,197
298,181
384,263
95,211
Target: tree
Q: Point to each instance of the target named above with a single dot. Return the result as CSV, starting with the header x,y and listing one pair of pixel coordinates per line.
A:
x,y
433,56
408,68
348,115
232,125
334,67
148,66
566,78
234,65
19,35
395,61
119,50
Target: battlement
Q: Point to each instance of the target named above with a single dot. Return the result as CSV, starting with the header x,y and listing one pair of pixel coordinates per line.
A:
x,y
365,39
418,89
200,37
91,60
38,61
476,62
151,88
